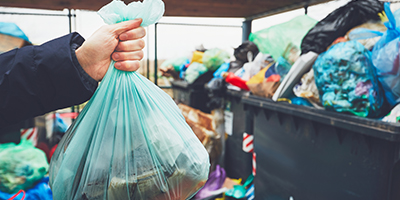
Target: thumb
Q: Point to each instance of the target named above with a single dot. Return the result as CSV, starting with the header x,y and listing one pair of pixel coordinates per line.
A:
x,y
122,27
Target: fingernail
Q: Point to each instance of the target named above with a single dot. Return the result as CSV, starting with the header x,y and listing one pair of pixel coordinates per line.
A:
x,y
117,65
116,56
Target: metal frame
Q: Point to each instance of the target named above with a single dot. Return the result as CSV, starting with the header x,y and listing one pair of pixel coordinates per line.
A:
x,y
246,26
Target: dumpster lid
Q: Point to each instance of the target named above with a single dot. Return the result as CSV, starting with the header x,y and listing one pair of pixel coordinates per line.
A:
x,y
371,127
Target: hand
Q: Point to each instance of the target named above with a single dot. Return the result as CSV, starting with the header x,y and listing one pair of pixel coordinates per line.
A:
x,y
122,42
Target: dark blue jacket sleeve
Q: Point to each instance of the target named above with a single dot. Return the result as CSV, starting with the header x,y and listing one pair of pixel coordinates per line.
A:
x,y
35,80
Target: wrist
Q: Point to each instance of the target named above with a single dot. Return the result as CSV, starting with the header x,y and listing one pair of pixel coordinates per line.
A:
x,y
85,64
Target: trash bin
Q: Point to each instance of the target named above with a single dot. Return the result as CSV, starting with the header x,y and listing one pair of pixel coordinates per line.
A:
x,y
193,95
238,164
308,154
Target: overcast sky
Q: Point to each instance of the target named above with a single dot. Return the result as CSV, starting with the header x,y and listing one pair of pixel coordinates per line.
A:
x,y
173,40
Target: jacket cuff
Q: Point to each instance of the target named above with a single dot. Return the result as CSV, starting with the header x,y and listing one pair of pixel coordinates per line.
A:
x,y
76,41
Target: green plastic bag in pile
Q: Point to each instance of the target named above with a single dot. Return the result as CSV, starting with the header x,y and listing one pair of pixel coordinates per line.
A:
x,y
21,166
276,39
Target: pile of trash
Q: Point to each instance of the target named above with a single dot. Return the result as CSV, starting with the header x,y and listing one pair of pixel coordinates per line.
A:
x,y
348,62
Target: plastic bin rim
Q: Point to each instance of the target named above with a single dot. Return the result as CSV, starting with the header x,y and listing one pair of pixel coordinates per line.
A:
x,y
371,127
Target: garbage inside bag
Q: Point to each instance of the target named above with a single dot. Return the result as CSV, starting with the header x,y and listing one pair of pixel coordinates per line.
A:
x,y
368,34
235,80
194,71
242,50
130,142
277,39
174,63
214,58
385,57
307,88
235,66
21,166
223,68
41,191
346,80
253,67
197,57
339,22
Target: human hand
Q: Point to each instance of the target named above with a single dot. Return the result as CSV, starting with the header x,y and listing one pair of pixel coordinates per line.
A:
x,y
121,42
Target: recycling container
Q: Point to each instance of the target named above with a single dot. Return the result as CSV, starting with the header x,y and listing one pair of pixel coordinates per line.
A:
x,y
311,154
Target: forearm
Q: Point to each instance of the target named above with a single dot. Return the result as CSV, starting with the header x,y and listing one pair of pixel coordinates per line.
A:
x,y
35,80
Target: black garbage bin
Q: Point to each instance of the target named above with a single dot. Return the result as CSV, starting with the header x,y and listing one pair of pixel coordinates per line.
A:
x,y
194,94
312,154
238,164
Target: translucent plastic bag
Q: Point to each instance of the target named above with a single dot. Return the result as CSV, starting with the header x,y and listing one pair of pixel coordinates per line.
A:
x,y
194,71
21,166
275,40
130,142
214,58
346,80
385,57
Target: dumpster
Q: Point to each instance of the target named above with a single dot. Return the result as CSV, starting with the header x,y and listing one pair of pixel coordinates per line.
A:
x,y
193,95
238,164
308,154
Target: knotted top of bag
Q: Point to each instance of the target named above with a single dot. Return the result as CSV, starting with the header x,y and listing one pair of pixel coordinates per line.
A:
x,y
117,11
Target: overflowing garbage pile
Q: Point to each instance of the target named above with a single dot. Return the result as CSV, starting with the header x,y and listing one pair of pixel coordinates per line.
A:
x,y
348,62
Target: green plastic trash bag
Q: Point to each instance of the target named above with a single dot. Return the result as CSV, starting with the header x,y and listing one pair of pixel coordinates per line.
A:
x,y
276,39
214,58
194,71
129,142
21,166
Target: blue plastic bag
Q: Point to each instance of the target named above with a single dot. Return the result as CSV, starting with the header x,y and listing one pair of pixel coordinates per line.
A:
x,y
346,80
41,191
130,142
385,57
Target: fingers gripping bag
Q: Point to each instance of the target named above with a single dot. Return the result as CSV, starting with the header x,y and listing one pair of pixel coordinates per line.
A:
x,y
131,140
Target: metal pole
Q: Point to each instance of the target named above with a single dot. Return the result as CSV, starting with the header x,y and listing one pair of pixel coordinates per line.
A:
x,y
246,29
155,54
70,31
148,56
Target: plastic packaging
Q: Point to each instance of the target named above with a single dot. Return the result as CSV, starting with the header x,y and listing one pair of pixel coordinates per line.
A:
x,y
176,63
214,182
346,80
338,23
242,50
276,39
197,57
129,142
253,67
393,116
385,57
236,81
41,191
21,166
307,88
214,58
194,71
